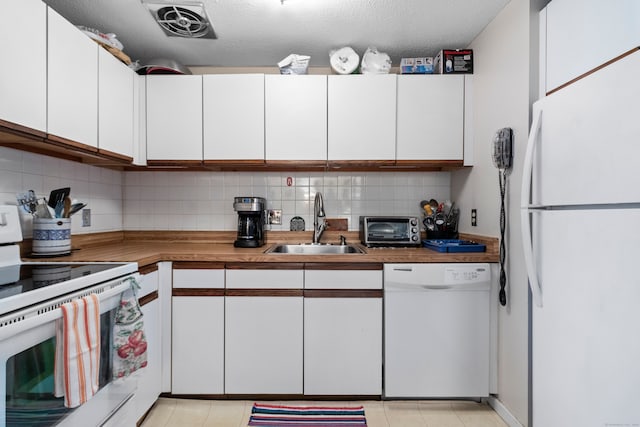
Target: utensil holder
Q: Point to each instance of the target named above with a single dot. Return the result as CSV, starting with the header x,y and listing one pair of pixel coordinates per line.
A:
x,y
51,236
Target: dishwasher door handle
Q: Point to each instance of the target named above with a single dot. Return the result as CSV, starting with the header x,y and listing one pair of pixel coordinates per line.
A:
x,y
414,287
436,287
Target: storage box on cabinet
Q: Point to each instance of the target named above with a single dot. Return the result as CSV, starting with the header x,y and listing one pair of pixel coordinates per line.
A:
x,y
197,356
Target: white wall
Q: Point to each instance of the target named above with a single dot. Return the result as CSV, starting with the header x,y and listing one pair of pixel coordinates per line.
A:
x,y
502,85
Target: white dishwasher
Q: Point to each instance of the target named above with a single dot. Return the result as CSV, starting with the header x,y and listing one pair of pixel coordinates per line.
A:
x,y
437,330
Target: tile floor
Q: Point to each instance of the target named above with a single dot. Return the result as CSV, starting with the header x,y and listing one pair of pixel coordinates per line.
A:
x,y
235,413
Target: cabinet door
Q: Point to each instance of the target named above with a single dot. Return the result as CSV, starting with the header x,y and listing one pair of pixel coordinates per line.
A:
x,y
362,117
583,34
23,78
233,111
149,382
263,345
197,357
72,102
430,116
115,105
150,378
174,117
296,117
343,346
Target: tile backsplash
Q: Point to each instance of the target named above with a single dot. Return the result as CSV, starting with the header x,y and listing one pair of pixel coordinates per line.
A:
x,y
204,200
100,188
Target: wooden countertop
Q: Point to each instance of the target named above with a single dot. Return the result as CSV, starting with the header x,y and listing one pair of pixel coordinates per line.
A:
x,y
150,247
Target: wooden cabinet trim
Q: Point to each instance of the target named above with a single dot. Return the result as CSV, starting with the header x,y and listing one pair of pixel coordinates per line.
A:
x,y
148,269
265,266
233,162
115,156
343,266
148,298
71,143
198,265
21,131
180,163
263,292
343,293
197,292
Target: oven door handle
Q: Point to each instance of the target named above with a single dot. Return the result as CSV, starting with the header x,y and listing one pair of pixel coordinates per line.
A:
x,y
30,318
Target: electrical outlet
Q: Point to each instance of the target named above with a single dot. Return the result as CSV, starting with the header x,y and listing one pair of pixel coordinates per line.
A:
x,y
86,217
474,217
275,216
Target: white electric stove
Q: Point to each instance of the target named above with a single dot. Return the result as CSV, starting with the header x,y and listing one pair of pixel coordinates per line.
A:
x,y
23,284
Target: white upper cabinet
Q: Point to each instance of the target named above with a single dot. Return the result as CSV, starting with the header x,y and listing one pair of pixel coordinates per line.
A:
x,y
583,34
174,117
23,76
72,105
296,117
362,117
233,111
430,114
115,105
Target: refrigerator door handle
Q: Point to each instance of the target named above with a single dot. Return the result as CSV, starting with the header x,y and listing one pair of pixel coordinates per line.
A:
x,y
525,213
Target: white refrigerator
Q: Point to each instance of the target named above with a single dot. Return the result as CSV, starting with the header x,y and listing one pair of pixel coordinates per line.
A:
x,y
581,236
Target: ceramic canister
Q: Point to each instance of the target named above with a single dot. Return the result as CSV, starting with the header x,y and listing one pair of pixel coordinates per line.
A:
x,y
51,236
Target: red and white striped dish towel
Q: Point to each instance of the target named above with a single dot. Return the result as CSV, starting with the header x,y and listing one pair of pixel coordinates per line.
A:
x,y
77,361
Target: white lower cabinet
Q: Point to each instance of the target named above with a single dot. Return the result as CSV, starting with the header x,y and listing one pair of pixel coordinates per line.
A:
x,y
263,331
343,332
149,378
343,346
263,347
197,356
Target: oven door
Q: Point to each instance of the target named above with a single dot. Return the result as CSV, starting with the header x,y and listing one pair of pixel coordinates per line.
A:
x,y
27,351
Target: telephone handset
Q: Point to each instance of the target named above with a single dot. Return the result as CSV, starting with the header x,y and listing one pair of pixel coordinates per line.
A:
x,y
502,145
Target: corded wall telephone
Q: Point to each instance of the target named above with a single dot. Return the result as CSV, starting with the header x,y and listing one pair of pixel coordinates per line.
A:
x,y
502,159
502,145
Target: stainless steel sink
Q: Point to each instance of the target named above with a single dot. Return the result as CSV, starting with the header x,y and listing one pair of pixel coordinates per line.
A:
x,y
314,249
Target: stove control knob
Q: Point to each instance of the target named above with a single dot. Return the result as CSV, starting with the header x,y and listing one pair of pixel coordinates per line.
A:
x,y
414,222
414,238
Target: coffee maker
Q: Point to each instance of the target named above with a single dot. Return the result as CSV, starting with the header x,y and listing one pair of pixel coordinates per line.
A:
x,y
251,215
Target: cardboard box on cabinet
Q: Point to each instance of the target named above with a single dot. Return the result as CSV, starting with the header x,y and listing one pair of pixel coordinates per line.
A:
x,y
454,61
416,65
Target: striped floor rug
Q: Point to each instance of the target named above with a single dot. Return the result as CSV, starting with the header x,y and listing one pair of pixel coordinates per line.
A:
x,y
306,416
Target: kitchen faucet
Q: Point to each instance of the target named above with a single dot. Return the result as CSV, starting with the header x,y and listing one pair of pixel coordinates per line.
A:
x,y
319,223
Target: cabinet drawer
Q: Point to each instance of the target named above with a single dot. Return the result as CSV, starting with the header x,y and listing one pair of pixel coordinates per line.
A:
x,y
343,279
187,278
149,283
265,279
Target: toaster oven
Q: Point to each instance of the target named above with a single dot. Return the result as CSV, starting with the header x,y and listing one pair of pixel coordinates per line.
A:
x,y
377,231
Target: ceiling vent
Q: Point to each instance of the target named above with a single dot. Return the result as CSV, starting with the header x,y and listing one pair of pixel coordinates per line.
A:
x,y
182,20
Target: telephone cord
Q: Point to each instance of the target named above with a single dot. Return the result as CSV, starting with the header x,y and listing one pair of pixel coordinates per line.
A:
x,y
502,179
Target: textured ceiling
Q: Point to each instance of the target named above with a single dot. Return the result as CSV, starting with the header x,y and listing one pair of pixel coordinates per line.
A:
x,y
262,32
